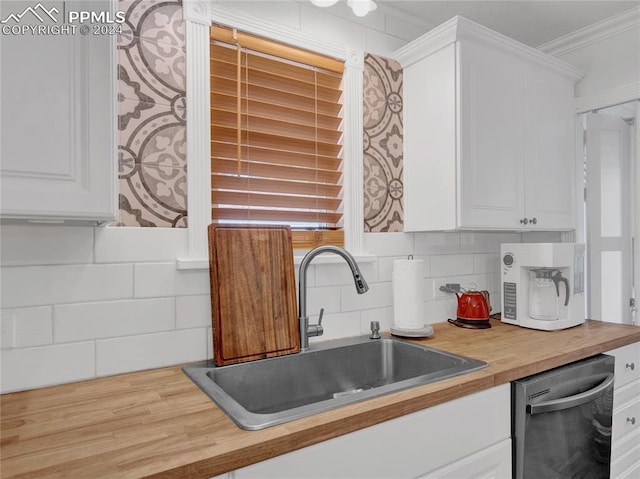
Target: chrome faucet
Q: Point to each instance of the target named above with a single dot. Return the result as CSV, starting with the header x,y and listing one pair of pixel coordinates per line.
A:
x,y
308,330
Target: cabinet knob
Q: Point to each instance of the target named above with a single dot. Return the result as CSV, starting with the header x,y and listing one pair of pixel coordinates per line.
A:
x,y
632,420
533,221
524,221
631,366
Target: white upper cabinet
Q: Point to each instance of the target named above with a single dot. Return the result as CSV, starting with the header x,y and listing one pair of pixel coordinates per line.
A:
x,y
489,133
58,137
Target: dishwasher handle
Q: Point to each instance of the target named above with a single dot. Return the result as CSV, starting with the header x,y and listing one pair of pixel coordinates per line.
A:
x,y
572,401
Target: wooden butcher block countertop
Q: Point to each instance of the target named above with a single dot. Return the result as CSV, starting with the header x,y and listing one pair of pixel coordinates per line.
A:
x,y
159,424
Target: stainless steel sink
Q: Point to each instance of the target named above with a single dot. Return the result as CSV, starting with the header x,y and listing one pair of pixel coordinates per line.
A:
x,y
267,392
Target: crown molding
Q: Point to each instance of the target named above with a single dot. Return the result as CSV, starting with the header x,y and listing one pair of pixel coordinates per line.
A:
x,y
459,28
593,33
427,44
614,96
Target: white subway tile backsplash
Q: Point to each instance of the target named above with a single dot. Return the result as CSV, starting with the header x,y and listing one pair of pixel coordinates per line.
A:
x,y
129,245
209,342
510,238
26,327
43,366
475,281
22,245
41,285
486,263
7,330
383,315
388,244
429,286
78,322
440,310
451,264
193,311
436,243
542,237
479,242
134,353
327,297
162,279
379,295
338,325
339,273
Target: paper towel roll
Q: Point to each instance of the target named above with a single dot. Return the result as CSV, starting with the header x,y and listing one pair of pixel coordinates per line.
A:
x,y
408,294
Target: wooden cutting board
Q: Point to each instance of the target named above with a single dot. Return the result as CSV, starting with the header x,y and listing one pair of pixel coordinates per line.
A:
x,y
253,293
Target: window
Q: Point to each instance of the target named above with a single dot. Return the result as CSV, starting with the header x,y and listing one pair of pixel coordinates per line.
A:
x,y
276,136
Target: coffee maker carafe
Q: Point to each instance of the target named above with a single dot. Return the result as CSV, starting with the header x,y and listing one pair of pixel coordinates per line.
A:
x,y
544,293
543,285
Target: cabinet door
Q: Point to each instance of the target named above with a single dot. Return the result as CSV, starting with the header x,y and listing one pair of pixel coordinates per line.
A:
x,y
627,365
491,463
550,159
430,142
491,141
58,122
405,447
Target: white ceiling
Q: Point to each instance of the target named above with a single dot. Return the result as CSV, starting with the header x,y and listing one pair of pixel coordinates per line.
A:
x,y
533,22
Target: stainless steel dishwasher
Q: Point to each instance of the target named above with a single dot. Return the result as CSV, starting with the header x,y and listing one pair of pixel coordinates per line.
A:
x,y
561,421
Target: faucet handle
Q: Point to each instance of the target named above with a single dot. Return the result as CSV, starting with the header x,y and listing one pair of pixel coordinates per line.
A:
x,y
316,329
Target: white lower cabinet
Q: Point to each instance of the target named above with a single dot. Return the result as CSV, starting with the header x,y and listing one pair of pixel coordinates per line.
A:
x,y
493,462
625,437
468,436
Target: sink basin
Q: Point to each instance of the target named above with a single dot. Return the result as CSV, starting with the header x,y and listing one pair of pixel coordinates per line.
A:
x,y
263,393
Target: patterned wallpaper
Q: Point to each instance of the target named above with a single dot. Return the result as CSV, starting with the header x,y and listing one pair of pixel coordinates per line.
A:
x,y
382,145
152,167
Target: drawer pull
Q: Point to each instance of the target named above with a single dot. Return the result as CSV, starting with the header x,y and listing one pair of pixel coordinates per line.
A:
x,y
631,366
632,420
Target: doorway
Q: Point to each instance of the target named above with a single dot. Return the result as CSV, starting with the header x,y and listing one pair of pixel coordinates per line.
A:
x,y
611,212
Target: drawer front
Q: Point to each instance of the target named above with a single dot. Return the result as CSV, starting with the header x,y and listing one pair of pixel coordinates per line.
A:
x,y
632,473
627,465
625,394
626,420
627,364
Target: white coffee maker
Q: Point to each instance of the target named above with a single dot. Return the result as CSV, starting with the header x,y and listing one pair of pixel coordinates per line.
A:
x,y
543,285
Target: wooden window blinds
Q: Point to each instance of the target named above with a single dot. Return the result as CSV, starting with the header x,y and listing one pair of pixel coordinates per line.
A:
x,y
276,137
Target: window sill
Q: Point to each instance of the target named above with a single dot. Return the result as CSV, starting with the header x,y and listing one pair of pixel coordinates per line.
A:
x,y
186,264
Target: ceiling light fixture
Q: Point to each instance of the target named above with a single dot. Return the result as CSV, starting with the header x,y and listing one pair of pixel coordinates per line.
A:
x,y
359,7
362,7
324,3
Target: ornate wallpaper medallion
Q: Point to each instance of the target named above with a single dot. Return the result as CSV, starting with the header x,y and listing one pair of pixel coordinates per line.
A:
x,y
382,145
152,169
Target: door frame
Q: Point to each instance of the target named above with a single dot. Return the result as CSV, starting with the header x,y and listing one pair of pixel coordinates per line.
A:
x,y
581,232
